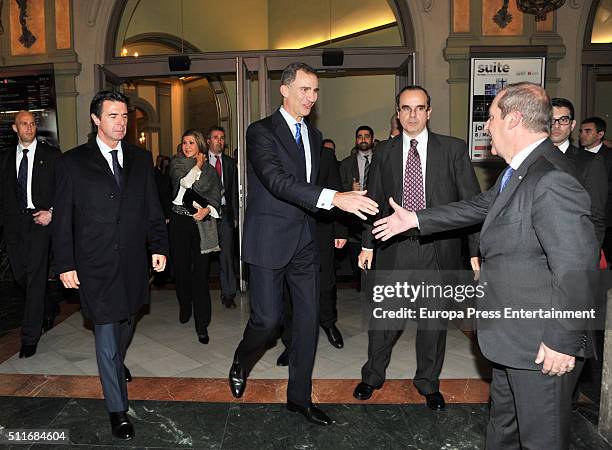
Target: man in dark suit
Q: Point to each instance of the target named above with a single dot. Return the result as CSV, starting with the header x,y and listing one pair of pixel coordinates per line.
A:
x,y
279,236
330,235
26,202
422,168
228,172
590,168
354,173
534,206
108,220
591,134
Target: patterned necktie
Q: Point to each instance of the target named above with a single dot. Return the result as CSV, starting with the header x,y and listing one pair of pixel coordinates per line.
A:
x,y
413,198
116,167
300,144
22,179
366,172
506,177
218,165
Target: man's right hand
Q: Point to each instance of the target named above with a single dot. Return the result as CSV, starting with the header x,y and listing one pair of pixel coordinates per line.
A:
x,y
70,280
364,260
200,160
355,202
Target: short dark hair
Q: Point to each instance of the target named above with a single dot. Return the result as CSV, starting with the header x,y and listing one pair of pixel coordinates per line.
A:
x,y
291,70
532,101
600,124
412,87
364,127
214,128
560,102
95,107
328,141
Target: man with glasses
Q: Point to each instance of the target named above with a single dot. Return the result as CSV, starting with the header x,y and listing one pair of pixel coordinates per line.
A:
x,y
590,168
418,168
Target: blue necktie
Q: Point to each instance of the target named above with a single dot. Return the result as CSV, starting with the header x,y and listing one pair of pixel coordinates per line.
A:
x,y
505,178
300,145
22,179
116,167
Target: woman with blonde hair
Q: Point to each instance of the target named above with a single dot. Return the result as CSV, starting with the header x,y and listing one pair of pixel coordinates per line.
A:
x,y
196,193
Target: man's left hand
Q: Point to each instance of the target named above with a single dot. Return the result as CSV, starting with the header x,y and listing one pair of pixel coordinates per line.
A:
x,y
159,262
339,243
42,217
554,363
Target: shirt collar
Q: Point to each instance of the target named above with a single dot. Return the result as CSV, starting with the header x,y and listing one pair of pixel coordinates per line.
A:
x,y
521,156
31,148
362,155
421,137
212,155
594,149
105,148
563,146
290,120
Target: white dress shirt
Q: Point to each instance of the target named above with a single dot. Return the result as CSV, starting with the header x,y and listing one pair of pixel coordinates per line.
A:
x,y
521,156
31,154
594,149
563,146
327,195
105,149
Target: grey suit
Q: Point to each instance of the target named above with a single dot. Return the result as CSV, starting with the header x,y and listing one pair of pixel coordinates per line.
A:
x,y
538,231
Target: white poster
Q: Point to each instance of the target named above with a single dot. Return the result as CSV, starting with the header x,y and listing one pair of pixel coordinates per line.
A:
x,y
488,77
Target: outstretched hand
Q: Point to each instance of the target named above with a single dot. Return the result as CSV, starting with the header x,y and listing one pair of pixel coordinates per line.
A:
x,y
398,222
355,202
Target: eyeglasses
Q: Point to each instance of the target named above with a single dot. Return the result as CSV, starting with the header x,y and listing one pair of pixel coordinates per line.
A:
x,y
419,109
564,120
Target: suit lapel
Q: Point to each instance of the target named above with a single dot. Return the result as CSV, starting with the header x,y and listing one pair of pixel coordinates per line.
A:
x,y
433,163
285,135
128,162
39,162
12,168
397,168
504,196
315,152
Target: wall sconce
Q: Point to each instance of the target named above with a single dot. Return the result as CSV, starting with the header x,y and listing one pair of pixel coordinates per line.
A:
x,y
142,139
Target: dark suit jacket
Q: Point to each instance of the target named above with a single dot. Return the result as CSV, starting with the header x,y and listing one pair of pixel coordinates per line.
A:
x,y
538,250
606,153
449,177
349,171
328,225
230,185
106,234
43,186
592,173
280,200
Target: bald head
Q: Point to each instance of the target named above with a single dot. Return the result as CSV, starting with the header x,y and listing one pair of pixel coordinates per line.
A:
x,y
531,101
25,127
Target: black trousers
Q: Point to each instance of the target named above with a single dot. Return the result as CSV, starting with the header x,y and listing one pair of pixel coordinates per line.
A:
x,y
266,296
530,410
112,340
191,270
29,259
227,275
328,313
430,342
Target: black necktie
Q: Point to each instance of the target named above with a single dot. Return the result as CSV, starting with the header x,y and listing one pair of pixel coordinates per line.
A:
x,y
22,179
116,167
366,172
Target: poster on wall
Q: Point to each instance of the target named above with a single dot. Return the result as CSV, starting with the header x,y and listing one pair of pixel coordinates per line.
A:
x,y
30,88
489,75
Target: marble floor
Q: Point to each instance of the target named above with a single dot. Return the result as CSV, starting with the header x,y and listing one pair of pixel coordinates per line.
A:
x,y
162,347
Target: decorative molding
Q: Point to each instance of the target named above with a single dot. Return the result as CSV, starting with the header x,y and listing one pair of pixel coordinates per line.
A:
x,y
27,39
92,12
428,5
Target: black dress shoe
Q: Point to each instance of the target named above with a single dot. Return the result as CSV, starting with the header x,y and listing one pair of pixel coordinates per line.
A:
x,y
435,401
228,303
121,426
203,337
48,323
237,379
312,413
184,315
127,373
363,390
27,350
334,336
283,359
